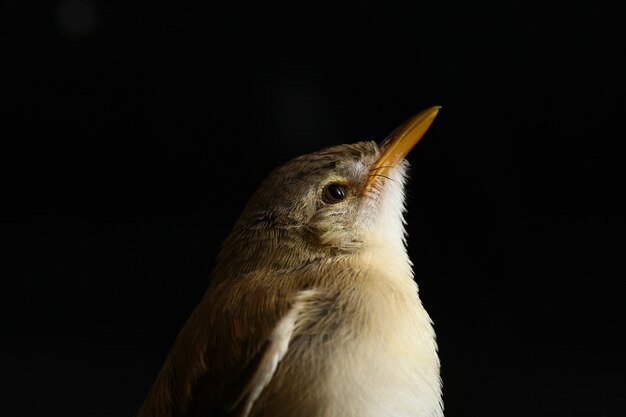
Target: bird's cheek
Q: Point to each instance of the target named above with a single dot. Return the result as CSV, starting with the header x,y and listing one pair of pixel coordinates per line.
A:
x,y
331,238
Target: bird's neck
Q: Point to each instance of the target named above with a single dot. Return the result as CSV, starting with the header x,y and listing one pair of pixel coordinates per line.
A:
x,y
272,248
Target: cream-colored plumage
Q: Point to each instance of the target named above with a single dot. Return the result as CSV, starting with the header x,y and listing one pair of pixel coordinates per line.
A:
x,y
312,310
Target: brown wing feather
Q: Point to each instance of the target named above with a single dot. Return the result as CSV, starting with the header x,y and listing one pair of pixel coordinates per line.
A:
x,y
223,350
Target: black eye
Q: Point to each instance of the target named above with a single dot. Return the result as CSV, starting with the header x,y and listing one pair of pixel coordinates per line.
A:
x,y
334,193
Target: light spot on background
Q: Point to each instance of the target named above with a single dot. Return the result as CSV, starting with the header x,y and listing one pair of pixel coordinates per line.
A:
x,y
77,17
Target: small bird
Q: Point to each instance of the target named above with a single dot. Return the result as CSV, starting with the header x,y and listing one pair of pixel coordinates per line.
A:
x,y
312,309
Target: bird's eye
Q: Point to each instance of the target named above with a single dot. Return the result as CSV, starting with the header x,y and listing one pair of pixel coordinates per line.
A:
x,y
334,193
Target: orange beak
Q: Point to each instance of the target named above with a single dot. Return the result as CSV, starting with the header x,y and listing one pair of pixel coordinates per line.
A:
x,y
399,143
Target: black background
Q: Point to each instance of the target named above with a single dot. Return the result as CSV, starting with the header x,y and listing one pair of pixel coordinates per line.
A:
x,y
133,133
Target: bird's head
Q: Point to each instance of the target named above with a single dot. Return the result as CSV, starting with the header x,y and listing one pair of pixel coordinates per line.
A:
x,y
339,200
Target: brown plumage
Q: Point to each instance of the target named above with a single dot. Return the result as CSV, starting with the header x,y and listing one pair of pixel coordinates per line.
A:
x,y
312,310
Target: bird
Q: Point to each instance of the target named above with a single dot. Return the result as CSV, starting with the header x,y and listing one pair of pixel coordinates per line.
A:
x,y
312,309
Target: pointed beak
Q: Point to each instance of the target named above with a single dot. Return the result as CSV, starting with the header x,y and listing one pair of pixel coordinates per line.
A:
x,y
398,144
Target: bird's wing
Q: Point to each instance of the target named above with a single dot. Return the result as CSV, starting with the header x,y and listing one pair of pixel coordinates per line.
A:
x,y
229,349
260,370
